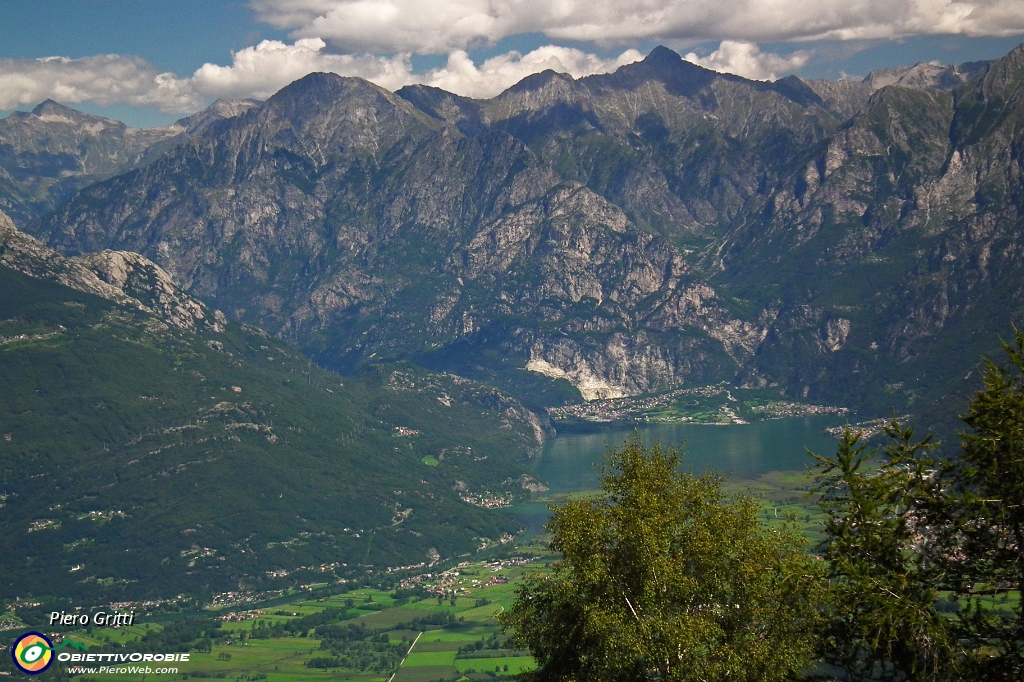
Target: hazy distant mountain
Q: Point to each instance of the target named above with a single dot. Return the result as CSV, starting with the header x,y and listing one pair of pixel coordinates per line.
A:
x,y
218,111
50,153
53,151
658,226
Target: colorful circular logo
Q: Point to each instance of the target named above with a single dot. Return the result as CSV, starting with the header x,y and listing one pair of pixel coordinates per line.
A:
x,y
32,653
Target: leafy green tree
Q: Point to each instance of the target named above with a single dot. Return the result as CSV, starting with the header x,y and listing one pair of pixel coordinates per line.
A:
x,y
882,624
664,577
981,542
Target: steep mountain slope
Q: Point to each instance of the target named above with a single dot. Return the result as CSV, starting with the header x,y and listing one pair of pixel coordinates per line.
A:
x,y
894,246
148,448
679,148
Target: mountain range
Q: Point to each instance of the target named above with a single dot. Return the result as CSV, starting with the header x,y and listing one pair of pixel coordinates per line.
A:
x,y
400,283
660,226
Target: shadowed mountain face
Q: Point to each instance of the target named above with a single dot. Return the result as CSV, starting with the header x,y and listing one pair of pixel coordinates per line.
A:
x,y
659,226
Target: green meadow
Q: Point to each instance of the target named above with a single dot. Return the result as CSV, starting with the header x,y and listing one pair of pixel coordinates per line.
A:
x,y
239,650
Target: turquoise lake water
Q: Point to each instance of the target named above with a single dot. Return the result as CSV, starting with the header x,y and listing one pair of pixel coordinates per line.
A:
x,y
568,463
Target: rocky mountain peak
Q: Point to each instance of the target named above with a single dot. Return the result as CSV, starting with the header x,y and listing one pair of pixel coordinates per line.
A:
x,y
324,112
29,256
796,90
539,81
663,57
680,77
1004,76
150,285
229,108
325,90
316,97
54,112
535,93
48,154
994,101
848,96
464,113
923,75
119,276
218,111
48,106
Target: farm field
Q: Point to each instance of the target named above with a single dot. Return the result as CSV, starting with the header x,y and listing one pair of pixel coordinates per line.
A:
x,y
240,648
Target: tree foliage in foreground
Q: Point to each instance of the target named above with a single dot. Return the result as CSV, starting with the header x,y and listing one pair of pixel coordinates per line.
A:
x,y
882,622
664,577
904,532
980,551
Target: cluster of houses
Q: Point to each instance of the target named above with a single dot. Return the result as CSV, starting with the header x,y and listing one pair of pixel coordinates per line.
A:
x,y
621,409
410,567
225,599
323,568
144,605
867,429
452,582
782,409
240,616
486,500
643,408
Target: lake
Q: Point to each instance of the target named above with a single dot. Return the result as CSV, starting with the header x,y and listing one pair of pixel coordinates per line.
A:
x,y
568,463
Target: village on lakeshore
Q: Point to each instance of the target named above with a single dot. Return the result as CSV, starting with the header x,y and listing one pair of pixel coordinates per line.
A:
x,y
714,404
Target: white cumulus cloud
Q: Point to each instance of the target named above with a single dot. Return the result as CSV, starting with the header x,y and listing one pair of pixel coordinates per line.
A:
x,y
261,70
747,60
442,26
462,76
104,79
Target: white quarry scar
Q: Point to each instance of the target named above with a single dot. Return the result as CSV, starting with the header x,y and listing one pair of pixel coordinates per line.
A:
x,y
590,386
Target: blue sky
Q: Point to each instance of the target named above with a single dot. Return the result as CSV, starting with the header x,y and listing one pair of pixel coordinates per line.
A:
x,y
149,62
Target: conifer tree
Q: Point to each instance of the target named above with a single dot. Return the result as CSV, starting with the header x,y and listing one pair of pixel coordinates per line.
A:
x,y
882,622
905,530
981,548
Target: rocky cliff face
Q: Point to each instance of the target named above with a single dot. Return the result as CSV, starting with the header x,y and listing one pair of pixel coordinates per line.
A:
x,y
906,222
629,232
